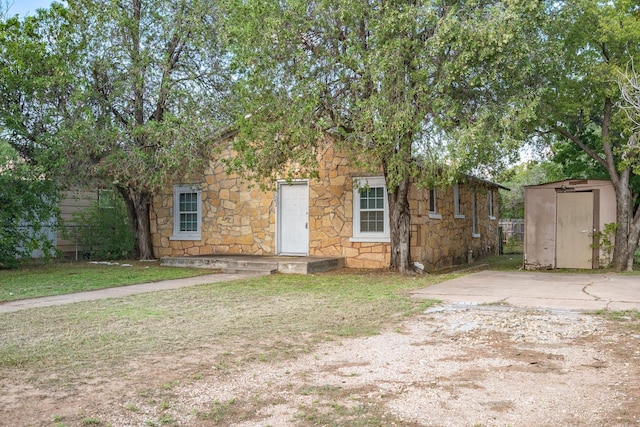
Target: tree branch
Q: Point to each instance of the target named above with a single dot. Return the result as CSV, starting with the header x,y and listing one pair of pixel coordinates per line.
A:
x,y
573,138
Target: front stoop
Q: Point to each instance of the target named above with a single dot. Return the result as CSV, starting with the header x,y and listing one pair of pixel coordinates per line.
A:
x,y
258,265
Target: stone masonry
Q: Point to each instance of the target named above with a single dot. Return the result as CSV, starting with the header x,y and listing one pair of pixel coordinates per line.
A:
x,y
240,219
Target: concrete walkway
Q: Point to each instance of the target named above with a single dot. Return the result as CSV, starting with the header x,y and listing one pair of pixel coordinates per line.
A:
x,y
519,289
122,291
540,290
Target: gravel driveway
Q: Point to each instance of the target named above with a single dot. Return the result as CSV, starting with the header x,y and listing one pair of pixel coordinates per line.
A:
x,y
454,365
457,364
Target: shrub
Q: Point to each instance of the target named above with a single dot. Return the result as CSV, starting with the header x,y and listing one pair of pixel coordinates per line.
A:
x,y
103,230
28,212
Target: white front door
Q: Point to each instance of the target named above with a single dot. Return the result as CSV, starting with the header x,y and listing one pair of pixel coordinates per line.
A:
x,y
293,218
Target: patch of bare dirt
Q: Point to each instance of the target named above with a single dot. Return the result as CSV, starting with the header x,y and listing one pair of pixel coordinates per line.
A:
x,y
452,366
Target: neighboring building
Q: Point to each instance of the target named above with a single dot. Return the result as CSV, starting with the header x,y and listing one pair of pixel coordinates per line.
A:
x,y
318,217
71,203
563,221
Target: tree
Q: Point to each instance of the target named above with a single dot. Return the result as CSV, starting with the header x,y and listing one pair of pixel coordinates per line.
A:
x,y
415,88
29,207
148,79
36,84
589,44
516,178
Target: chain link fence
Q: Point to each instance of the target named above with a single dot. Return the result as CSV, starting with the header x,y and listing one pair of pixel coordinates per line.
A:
x,y
512,235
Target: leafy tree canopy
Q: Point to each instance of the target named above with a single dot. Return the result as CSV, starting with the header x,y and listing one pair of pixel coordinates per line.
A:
x,y
29,209
119,93
387,80
519,176
589,46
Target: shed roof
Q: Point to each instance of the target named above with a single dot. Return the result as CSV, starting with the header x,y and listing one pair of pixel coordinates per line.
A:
x,y
572,182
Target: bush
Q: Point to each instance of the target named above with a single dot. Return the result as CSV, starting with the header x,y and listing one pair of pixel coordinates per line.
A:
x,y
28,211
103,230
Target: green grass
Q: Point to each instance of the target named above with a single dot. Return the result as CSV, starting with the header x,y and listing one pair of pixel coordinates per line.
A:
x,y
67,277
629,318
509,262
513,262
225,326
261,319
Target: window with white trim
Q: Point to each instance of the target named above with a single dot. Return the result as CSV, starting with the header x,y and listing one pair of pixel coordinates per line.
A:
x,y
457,206
433,204
370,210
187,213
474,216
490,198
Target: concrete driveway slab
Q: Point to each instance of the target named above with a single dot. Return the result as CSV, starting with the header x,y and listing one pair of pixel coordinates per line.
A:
x,y
540,290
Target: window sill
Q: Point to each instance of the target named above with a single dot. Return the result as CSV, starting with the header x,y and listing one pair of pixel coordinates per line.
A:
x,y
492,218
475,235
377,239
186,237
435,215
458,216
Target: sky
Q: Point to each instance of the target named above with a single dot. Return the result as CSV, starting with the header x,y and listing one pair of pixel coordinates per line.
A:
x,y
25,7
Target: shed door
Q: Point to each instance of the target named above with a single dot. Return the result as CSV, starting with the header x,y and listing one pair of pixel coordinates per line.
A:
x,y
293,219
574,232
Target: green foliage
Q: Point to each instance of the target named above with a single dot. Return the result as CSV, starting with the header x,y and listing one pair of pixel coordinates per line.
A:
x,y
516,178
513,246
103,231
29,210
126,94
36,83
604,241
588,48
387,81
59,278
590,45
150,86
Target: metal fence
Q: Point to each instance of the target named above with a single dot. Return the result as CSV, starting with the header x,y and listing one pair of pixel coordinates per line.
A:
x,y
512,235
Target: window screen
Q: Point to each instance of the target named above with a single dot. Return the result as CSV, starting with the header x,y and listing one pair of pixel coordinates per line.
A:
x,y
188,212
372,210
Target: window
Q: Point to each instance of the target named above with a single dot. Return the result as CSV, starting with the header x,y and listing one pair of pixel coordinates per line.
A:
x,y
474,216
457,207
187,213
433,204
370,210
490,197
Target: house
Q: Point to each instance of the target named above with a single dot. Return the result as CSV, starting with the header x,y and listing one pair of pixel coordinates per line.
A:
x,y
342,213
67,238
564,221
72,202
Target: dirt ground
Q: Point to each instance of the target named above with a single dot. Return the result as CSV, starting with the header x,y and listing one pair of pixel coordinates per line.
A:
x,y
451,366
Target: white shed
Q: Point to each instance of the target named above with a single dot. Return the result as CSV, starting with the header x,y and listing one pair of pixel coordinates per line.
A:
x,y
562,221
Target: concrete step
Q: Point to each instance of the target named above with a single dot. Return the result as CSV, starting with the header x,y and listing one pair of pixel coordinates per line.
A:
x,y
250,271
252,264
261,265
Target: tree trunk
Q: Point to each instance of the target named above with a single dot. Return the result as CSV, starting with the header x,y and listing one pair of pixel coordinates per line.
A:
x,y
626,239
634,236
138,205
400,227
623,219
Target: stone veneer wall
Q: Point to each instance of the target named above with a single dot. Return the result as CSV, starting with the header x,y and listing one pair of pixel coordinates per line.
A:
x,y
241,220
331,213
445,242
236,219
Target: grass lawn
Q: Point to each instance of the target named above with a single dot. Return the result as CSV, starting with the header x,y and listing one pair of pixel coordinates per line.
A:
x,y
176,336
59,278
263,318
